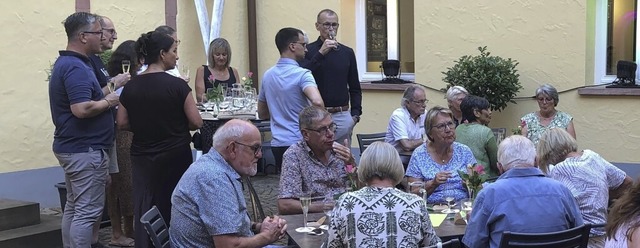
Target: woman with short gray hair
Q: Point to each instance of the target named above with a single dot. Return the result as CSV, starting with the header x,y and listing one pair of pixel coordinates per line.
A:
x,y
536,123
364,216
454,96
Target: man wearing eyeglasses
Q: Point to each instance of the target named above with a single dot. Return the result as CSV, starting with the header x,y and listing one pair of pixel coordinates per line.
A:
x,y
406,125
285,90
83,128
205,203
335,70
315,166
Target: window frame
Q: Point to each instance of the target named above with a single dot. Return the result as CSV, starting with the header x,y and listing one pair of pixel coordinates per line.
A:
x,y
392,40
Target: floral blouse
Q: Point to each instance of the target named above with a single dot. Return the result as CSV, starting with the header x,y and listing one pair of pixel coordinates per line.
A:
x,y
423,166
380,217
535,129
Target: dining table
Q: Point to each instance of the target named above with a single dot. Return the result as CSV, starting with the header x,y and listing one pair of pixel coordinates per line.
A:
x,y
446,230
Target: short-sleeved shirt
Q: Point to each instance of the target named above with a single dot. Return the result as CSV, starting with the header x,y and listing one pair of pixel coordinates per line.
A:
x,y
482,142
155,107
282,89
208,201
521,200
535,129
589,178
422,165
381,217
301,172
402,126
73,81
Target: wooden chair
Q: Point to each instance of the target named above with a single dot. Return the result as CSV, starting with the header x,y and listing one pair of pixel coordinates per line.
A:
x,y
500,133
364,140
256,206
453,243
156,228
574,237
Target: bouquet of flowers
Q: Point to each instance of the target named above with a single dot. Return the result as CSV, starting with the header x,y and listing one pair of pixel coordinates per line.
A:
x,y
473,178
518,130
352,176
247,80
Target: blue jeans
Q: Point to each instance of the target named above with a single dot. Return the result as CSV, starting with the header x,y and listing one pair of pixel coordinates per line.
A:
x,y
85,177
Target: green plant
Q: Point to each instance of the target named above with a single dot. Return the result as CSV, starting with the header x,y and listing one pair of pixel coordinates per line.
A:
x,y
491,77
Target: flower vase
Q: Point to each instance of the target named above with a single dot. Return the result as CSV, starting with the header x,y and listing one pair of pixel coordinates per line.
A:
x,y
472,193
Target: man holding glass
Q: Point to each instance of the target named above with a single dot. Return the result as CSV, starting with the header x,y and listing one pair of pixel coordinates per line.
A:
x,y
315,166
83,128
206,201
335,70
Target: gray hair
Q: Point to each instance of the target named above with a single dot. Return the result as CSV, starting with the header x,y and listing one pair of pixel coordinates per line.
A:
x,y
454,91
79,22
516,151
409,92
431,118
380,160
310,115
230,131
216,45
550,91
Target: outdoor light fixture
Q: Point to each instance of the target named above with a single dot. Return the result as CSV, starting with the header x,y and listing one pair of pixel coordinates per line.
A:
x,y
391,68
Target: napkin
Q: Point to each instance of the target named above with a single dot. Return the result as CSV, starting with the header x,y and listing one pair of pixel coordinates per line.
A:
x,y
437,219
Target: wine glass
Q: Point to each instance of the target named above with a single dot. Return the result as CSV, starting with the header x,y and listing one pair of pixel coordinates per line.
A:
x,y
126,65
205,103
449,199
332,36
327,205
305,201
185,70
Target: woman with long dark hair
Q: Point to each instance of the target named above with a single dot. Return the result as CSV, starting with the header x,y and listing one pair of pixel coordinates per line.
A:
x,y
160,111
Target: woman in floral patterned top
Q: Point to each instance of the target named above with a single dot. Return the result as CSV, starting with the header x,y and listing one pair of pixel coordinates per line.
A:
x,y
536,123
379,215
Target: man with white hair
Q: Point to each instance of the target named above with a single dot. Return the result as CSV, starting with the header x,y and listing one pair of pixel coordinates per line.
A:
x,y
208,206
405,131
521,200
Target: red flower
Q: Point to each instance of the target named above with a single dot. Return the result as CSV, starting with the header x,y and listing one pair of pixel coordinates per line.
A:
x,y
350,168
249,74
212,78
479,169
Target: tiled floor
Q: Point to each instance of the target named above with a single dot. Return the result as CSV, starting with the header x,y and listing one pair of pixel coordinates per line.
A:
x,y
266,187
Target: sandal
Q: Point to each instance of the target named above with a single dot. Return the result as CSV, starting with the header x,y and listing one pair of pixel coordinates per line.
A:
x,y
123,242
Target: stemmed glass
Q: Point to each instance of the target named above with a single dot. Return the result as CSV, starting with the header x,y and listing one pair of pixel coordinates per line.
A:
x,y
126,65
419,185
332,36
185,70
205,102
327,205
449,199
305,201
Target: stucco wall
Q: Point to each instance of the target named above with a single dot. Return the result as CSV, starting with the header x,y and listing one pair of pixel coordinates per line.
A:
x,y
551,40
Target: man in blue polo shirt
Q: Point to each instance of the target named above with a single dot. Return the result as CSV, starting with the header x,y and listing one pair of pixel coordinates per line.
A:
x,y
83,127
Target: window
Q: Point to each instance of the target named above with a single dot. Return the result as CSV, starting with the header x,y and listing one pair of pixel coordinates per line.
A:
x,y
615,37
384,30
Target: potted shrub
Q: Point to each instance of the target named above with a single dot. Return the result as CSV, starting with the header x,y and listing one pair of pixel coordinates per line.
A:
x,y
491,77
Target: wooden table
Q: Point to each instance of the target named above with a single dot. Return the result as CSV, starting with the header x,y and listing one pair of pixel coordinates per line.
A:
x,y
446,231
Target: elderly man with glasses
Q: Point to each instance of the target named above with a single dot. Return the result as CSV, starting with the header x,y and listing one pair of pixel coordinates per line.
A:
x,y
206,201
406,125
315,166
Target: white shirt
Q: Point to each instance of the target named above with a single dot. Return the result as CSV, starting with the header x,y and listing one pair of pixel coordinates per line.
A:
x,y
402,126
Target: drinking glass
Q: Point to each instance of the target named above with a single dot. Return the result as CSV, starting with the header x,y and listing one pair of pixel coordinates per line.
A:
x,y
305,201
225,104
205,103
237,94
327,205
449,200
126,65
185,70
418,188
332,36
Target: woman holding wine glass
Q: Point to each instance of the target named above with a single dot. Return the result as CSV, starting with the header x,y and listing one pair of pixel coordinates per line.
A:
x,y
160,111
437,162
379,211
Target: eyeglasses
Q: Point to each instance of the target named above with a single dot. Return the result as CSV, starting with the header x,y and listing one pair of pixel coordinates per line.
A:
x,y
331,24
421,102
544,99
94,32
304,44
255,148
443,126
323,130
111,31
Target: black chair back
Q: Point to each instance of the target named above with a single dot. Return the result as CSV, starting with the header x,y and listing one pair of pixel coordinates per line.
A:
x,y
258,212
156,228
364,140
454,243
571,238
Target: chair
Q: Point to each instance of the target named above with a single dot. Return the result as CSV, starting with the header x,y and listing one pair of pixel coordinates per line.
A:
x,y
574,237
454,243
364,140
156,228
500,133
267,157
258,212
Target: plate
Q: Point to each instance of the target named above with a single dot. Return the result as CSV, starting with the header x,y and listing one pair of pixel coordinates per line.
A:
x,y
450,211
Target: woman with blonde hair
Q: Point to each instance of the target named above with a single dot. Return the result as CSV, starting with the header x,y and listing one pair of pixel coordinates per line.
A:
x,y
593,180
379,214
219,59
